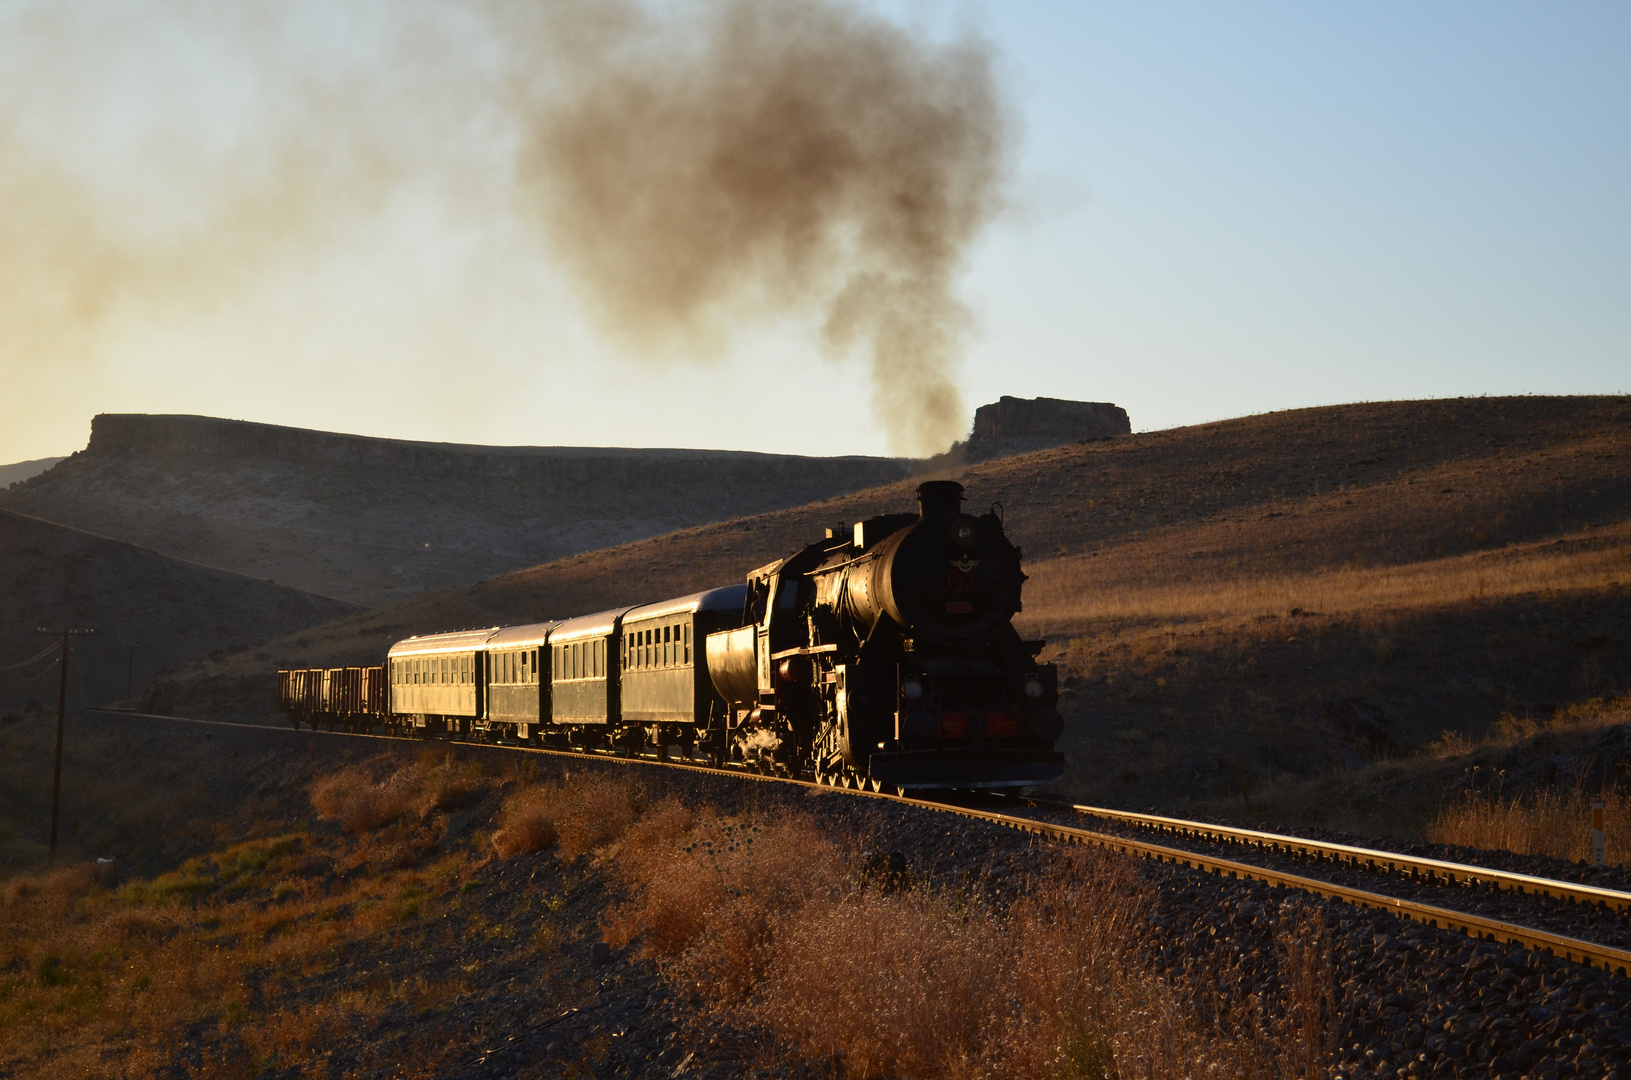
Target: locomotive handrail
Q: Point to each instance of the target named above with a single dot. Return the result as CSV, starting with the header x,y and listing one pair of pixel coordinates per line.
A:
x,y
804,650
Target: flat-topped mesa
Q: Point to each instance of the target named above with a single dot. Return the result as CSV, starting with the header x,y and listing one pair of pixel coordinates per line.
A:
x,y
1017,425
201,438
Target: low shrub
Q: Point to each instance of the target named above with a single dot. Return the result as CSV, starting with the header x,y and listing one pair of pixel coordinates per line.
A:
x,y
359,803
575,815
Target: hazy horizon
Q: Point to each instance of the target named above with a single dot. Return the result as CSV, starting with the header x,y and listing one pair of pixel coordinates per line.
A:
x,y
386,218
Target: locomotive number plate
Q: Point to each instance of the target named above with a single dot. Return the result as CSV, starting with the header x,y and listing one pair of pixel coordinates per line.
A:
x,y
959,607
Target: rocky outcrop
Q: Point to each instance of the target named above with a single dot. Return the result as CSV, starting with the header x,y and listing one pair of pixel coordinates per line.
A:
x,y
1018,425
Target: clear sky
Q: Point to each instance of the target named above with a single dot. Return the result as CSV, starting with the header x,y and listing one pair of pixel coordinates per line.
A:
x,y
305,216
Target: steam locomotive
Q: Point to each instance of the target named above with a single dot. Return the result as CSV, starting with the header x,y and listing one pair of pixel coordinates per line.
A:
x,y
883,656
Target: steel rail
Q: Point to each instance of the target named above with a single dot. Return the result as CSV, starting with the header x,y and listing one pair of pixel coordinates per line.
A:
x,y
1588,953
1430,871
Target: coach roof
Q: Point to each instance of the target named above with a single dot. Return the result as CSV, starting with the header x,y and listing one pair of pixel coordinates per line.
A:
x,y
600,624
455,641
731,598
521,637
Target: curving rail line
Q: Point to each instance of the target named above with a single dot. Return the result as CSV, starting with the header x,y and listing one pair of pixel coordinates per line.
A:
x,y
1428,871
1588,953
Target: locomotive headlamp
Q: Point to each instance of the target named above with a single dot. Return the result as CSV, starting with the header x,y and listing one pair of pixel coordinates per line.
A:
x,y
911,690
964,531
1033,687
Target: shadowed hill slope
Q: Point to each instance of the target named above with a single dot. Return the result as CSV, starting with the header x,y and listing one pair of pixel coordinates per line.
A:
x,y
19,471
170,611
376,520
1278,594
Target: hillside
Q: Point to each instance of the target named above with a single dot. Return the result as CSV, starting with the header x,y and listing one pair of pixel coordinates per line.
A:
x,y
168,610
1233,603
19,471
376,520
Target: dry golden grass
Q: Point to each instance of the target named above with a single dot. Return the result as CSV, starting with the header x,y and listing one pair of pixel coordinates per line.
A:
x,y
707,899
1547,822
768,919
113,982
576,815
1065,594
1555,820
930,984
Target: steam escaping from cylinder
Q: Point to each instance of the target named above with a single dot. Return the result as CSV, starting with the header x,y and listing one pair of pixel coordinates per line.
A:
x,y
744,158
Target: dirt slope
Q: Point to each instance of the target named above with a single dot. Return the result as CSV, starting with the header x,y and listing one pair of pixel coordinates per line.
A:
x,y
171,611
377,520
1232,602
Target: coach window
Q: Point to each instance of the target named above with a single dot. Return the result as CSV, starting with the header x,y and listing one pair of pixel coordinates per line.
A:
x,y
687,643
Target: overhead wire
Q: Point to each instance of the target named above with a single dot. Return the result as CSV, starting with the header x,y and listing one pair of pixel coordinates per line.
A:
x,y
24,663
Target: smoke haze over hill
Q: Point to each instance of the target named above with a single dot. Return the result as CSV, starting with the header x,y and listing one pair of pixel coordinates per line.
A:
x,y
297,187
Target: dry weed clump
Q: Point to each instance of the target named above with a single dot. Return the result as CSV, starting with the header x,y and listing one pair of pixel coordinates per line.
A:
x,y
359,803
575,815
709,900
1552,822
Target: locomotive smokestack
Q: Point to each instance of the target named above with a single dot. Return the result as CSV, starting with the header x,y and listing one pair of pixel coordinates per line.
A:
x,y
939,498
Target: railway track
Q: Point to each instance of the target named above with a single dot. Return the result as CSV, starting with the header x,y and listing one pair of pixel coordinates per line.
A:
x,y
1591,954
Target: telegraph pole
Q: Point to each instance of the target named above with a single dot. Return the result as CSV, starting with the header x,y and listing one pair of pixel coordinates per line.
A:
x,y
62,713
